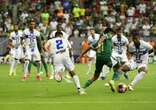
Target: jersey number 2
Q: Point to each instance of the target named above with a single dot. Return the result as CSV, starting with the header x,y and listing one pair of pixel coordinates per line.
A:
x,y
59,44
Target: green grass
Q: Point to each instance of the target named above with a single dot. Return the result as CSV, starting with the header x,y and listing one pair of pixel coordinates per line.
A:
x,y
48,94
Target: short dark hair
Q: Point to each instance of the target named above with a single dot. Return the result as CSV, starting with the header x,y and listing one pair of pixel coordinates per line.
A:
x,y
57,34
108,30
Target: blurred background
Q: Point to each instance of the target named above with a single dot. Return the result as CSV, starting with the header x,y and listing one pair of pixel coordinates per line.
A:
x,y
77,16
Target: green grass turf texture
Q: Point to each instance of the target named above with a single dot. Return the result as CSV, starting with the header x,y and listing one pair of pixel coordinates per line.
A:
x,y
51,95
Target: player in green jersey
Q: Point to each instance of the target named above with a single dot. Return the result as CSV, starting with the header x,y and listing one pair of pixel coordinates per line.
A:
x,y
103,55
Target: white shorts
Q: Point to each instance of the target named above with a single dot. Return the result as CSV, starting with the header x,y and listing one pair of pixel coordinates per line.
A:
x,y
62,61
116,58
91,54
17,53
134,65
32,56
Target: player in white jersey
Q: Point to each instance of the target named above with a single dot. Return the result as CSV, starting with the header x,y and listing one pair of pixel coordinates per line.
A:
x,y
32,45
65,35
59,29
15,42
58,46
119,52
139,54
92,39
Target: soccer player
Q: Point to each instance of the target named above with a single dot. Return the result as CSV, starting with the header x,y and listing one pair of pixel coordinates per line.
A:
x,y
15,43
59,47
119,53
103,54
32,54
92,39
139,53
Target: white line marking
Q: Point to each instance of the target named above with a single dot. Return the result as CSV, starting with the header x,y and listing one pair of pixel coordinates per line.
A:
x,y
81,102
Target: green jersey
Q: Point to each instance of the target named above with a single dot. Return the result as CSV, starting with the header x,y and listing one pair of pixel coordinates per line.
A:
x,y
105,49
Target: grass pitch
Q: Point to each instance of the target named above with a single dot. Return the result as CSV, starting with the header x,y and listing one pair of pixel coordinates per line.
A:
x,y
51,95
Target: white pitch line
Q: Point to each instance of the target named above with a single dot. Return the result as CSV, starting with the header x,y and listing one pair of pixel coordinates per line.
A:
x,y
81,102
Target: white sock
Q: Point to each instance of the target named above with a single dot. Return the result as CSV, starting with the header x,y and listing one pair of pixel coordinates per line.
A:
x,y
89,66
52,69
137,78
105,71
26,68
76,81
13,67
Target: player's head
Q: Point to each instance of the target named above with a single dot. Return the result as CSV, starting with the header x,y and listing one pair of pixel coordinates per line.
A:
x,y
118,31
92,31
58,34
59,27
15,27
32,24
109,31
136,37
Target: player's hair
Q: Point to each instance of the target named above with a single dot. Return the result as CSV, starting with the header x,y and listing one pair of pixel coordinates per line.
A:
x,y
58,34
108,30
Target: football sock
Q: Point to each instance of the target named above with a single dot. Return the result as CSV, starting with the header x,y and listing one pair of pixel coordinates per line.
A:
x,y
38,66
76,81
89,66
29,67
88,83
138,77
105,71
45,67
52,69
13,67
26,68
116,75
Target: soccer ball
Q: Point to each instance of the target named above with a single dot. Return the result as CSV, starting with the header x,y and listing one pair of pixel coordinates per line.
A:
x,y
58,77
122,88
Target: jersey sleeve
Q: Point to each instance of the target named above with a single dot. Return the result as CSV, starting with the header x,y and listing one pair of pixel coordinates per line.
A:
x,y
148,46
130,48
127,42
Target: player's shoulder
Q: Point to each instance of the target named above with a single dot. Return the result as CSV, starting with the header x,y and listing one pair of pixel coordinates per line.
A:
x,y
20,31
12,33
114,37
26,31
145,44
131,44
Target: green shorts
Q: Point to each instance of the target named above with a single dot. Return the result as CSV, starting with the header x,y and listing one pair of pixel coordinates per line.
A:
x,y
102,60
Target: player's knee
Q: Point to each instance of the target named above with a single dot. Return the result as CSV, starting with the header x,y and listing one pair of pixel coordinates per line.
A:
x,y
125,68
142,69
72,73
26,61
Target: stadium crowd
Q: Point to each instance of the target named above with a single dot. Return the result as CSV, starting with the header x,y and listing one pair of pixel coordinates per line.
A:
x,y
78,16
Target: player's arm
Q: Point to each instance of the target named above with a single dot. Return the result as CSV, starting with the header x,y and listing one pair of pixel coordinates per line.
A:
x,y
10,45
47,46
99,43
130,52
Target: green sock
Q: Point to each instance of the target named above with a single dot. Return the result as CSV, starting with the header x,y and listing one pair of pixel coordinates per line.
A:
x,y
38,66
88,83
116,75
29,67
45,65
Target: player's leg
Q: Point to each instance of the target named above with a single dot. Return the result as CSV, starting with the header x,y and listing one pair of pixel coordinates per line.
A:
x,y
98,69
37,61
26,63
45,65
104,73
89,64
13,67
67,62
142,70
